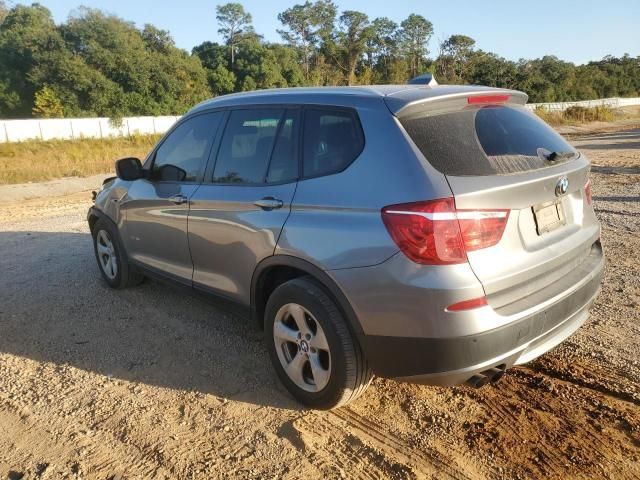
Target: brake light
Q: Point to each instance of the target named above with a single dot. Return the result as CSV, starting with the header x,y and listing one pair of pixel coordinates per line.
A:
x,y
485,99
587,193
468,304
436,233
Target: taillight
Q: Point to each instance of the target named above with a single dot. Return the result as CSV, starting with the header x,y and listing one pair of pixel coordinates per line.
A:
x,y
436,233
587,193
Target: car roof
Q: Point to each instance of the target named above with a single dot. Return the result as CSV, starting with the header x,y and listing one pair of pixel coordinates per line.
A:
x,y
397,97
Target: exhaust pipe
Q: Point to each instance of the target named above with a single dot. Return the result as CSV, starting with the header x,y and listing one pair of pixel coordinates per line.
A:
x,y
478,380
494,374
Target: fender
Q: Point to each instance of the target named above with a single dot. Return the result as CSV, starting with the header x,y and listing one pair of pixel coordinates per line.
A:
x,y
95,213
317,273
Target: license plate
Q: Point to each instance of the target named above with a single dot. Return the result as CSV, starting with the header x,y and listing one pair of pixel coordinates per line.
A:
x,y
548,216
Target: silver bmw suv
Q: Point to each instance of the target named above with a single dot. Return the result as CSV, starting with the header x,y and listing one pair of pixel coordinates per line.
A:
x,y
431,234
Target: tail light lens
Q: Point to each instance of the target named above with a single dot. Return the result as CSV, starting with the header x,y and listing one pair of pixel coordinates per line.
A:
x,y
587,193
436,233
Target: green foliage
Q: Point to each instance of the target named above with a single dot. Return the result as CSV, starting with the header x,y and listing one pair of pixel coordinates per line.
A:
x,y
47,104
233,21
96,64
453,63
415,33
352,37
305,25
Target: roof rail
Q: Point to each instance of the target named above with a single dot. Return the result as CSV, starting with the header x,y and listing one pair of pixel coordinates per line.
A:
x,y
424,79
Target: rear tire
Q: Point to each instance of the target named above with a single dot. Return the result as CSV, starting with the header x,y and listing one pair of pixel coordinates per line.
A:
x,y
111,257
311,347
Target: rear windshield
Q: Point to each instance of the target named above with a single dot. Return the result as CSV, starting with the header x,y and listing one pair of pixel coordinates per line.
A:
x,y
488,141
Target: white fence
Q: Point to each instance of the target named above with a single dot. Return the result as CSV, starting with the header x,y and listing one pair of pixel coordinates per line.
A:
x,y
606,102
71,128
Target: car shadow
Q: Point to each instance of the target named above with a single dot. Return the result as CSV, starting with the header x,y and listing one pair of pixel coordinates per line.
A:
x,y
55,308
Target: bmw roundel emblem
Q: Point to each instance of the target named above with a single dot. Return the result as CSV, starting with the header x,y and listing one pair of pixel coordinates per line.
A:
x,y
562,186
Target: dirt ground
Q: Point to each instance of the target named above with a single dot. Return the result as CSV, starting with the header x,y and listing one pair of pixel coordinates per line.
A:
x,y
153,382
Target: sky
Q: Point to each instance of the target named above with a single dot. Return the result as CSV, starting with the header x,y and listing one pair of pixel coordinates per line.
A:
x,y
574,30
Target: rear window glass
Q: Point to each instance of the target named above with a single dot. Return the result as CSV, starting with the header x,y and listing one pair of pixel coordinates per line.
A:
x,y
488,141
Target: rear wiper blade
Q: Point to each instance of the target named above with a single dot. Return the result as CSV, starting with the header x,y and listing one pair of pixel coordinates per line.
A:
x,y
553,156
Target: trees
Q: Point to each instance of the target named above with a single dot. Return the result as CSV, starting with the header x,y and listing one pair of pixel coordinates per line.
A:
x,y
96,64
47,104
157,40
99,64
454,59
30,49
233,21
415,33
352,38
305,25
382,42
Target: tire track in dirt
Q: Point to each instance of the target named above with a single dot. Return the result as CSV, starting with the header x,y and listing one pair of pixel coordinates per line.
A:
x,y
561,425
367,450
508,422
594,384
425,459
337,453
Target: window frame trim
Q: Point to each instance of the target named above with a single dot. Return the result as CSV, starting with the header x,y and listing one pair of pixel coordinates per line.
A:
x,y
205,176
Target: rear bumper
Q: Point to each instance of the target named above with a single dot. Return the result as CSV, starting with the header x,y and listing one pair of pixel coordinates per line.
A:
x,y
453,360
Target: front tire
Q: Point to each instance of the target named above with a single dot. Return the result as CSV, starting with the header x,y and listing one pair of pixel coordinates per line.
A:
x,y
315,355
111,257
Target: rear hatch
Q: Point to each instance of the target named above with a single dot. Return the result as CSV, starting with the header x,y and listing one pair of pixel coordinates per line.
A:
x,y
497,156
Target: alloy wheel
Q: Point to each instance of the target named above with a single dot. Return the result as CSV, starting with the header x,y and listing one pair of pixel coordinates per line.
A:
x,y
302,347
107,254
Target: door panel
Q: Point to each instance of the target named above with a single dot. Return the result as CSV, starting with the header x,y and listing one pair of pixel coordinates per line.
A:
x,y
156,209
155,231
235,219
229,234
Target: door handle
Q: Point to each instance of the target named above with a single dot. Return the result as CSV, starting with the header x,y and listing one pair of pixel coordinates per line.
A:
x,y
269,203
178,199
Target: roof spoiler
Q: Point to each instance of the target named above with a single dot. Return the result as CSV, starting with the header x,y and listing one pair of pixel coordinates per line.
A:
x,y
425,79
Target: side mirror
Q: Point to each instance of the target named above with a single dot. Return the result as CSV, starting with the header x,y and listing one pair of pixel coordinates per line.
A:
x,y
129,168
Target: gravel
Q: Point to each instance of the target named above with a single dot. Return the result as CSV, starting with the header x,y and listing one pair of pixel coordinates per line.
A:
x,y
154,382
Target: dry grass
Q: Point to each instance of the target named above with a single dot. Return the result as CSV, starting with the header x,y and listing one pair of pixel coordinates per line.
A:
x,y
577,115
36,161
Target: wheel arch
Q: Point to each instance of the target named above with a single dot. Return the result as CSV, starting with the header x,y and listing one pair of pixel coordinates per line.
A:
x,y
277,269
96,214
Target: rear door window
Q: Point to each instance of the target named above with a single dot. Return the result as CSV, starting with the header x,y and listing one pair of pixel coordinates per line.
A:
x,y
488,141
246,146
258,146
333,139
